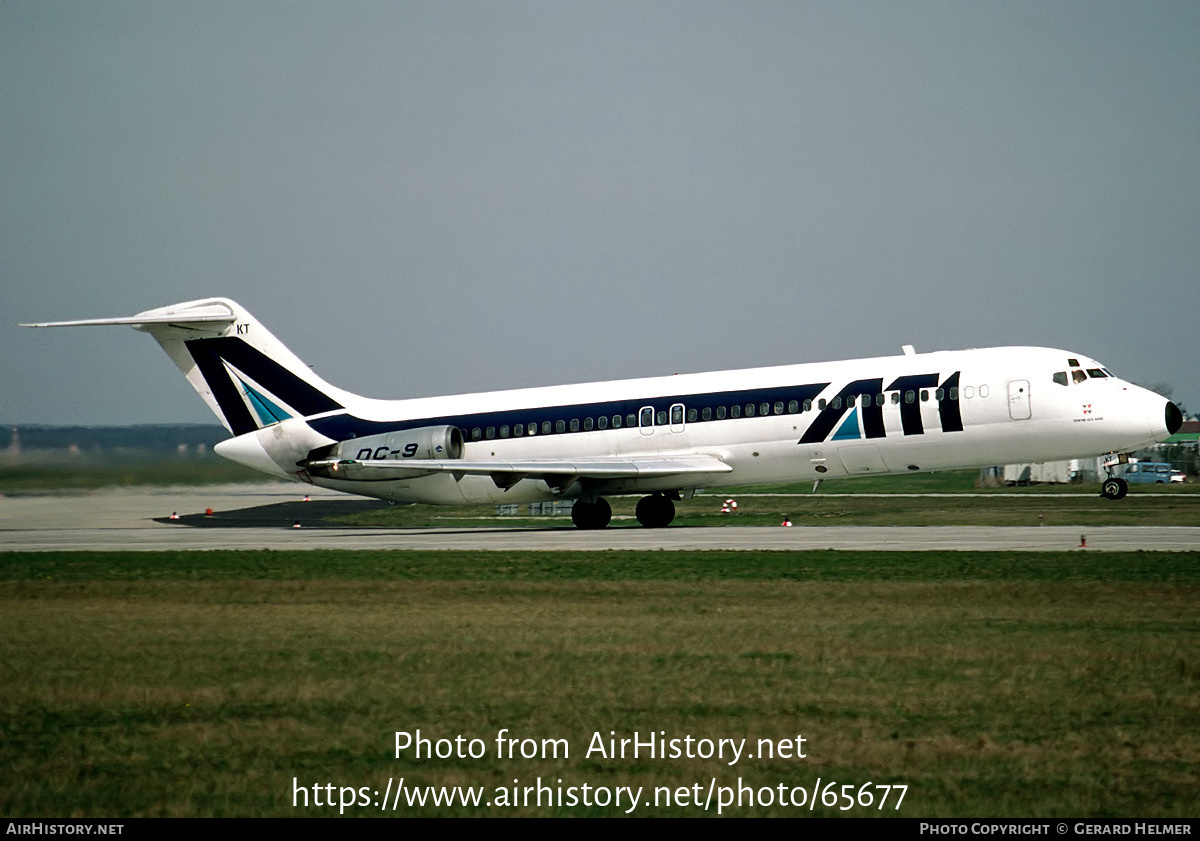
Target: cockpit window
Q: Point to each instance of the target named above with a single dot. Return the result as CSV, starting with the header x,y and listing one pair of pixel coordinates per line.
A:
x,y
1096,373
1078,375
1074,363
1060,377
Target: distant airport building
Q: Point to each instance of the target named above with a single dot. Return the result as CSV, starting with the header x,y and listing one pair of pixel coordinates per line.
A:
x,y
1055,472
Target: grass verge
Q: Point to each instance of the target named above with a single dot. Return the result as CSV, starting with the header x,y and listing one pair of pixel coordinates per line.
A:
x,y
223,683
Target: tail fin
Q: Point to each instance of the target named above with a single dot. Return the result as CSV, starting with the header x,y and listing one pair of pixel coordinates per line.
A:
x,y
245,375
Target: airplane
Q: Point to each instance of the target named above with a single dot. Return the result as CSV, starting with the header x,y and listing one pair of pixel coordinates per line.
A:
x,y
663,437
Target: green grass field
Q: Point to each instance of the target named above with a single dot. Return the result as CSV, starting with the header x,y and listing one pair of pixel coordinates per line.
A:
x,y
214,683
88,472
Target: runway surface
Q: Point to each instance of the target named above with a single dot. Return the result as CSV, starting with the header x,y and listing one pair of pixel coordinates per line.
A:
x,y
262,517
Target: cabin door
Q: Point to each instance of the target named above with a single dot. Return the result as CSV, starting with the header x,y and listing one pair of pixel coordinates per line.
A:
x,y
1018,400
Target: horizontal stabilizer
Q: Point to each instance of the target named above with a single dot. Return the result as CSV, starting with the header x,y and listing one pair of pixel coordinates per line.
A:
x,y
211,314
245,375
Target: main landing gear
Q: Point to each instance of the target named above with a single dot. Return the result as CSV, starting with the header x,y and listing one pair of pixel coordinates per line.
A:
x,y
1114,487
654,512
591,515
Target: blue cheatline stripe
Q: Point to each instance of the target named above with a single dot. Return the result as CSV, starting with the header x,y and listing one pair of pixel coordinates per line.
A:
x,y
867,423
343,426
268,412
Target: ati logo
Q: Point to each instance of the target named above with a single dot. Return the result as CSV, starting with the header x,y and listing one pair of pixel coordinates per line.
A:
x,y
864,400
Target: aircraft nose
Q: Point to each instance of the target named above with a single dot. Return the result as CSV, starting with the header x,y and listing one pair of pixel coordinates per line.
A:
x,y
1164,419
1173,418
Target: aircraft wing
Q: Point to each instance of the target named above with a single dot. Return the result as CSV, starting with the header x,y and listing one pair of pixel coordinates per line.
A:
x,y
508,473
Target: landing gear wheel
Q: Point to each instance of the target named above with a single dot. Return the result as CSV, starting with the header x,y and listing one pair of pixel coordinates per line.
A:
x,y
591,515
655,511
1114,488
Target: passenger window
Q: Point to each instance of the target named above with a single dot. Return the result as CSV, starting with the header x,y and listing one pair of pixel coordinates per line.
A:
x,y
706,413
720,413
533,428
954,392
692,416
1060,377
490,432
764,408
910,396
560,426
924,396
896,397
807,407
616,421
602,422
504,431
939,395
661,418
793,407
476,433
630,420
735,411
749,410
836,403
518,430
545,427
821,404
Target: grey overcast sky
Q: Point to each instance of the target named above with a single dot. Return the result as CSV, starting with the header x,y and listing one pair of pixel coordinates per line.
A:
x,y
425,198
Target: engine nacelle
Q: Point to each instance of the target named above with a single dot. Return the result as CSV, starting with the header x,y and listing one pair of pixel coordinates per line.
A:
x,y
440,442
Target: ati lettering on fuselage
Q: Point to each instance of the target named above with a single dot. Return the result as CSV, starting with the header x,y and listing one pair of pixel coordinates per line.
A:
x,y
868,397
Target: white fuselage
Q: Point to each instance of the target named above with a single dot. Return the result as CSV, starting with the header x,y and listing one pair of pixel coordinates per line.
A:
x,y
899,414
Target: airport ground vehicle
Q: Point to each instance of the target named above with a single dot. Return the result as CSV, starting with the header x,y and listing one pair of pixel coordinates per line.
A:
x,y
1148,473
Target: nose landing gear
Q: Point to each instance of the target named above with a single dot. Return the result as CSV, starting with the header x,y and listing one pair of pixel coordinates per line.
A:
x,y
1114,487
